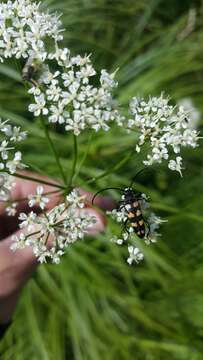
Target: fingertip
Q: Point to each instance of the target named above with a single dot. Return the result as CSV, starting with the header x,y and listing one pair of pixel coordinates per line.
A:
x,y
103,202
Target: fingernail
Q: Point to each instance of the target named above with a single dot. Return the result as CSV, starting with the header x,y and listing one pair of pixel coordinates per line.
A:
x,y
106,203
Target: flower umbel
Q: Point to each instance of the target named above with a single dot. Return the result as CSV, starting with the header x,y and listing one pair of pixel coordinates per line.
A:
x,y
24,30
167,129
49,234
69,97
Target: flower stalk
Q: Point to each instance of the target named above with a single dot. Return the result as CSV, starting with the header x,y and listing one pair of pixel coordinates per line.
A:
x,y
74,164
53,148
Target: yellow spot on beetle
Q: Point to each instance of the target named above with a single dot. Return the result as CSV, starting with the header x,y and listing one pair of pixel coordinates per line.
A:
x,y
131,215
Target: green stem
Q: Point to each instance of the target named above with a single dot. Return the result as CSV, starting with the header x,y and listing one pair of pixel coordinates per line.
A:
x,y
51,144
34,233
112,168
83,158
40,181
75,158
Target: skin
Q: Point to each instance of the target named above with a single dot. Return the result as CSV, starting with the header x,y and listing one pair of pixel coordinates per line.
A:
x,y
17,267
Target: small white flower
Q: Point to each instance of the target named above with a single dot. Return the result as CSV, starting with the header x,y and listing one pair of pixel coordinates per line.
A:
x,y
4,149
11,210
117,240
58,114
34,91
38,199
39,107
68,78
14,133
6,184
61,56
176,165
107,80
27,220
134,255
75,199
56,256
18,242
15,164
85,73
119,215
47,76
54,92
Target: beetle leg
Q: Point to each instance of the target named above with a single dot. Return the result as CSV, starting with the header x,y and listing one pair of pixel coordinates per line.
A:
x,y
121,205
148,226
125,226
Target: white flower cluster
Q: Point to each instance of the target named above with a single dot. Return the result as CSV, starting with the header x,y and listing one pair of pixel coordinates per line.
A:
x,y
50,233
24,30
68,97
128,234
165,127
10,160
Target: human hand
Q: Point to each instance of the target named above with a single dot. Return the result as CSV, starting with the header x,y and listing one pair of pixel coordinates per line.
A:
x,y
17,267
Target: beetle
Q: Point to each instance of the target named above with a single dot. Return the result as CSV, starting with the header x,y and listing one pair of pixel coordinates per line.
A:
x,y
130,201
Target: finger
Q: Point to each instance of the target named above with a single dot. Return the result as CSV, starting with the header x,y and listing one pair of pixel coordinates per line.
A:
x,y
103,202
15,267
23,188
15,270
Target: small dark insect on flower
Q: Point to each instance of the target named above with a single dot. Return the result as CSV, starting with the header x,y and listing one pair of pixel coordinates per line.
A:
x,y
130,201
30,69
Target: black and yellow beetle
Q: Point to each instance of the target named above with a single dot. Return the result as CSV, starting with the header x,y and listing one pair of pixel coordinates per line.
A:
x,y
131,202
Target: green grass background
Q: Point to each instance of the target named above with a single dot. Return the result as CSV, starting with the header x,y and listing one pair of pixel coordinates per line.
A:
x,y
93,306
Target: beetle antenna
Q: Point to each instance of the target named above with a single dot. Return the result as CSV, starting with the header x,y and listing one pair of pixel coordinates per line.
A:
x,y
100,191
136,175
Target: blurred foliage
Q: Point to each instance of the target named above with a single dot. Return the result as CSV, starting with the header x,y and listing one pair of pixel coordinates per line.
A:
x,y
93,306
